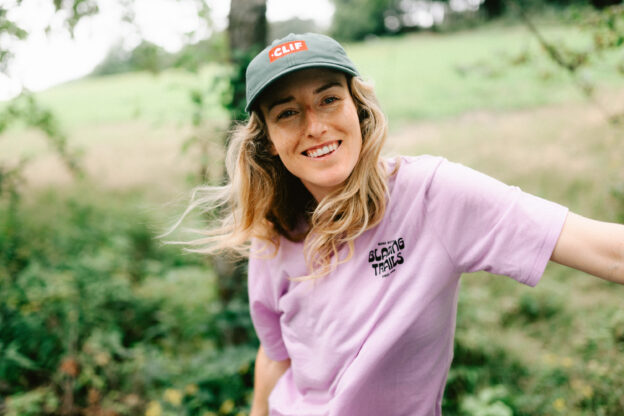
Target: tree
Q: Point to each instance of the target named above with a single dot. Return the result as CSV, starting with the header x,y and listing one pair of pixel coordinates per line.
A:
x,y
24,107
27,110
606,26
247,33
356,19
496,8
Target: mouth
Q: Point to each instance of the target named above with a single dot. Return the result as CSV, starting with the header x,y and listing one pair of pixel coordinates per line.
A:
x,y
322,150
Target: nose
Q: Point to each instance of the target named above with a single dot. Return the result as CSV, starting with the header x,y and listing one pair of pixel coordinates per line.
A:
x,y
315,126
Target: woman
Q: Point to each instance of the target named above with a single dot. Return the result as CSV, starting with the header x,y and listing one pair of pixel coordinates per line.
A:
x,y
355,260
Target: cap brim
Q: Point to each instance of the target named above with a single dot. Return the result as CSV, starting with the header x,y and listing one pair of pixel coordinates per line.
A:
x,y
287,71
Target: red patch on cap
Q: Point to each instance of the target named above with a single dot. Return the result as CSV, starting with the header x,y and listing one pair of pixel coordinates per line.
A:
x,y
287,48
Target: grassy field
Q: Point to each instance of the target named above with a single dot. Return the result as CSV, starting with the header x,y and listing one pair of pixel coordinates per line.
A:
x,y
416,76
131,126
553,350
433,76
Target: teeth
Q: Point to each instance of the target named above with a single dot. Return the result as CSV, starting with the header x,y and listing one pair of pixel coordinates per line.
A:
x,y
324,150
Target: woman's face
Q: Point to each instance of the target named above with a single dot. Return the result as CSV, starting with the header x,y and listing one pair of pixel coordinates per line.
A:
x,y
313,125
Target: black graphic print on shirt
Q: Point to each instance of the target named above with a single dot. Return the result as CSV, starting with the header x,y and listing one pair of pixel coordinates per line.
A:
x,y
386,257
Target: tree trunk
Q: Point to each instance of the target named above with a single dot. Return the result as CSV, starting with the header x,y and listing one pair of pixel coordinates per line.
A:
x,y
247,33
494,8
247,28
601,4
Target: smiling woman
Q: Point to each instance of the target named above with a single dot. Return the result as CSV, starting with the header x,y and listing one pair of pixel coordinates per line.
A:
x,y
356,259
314,128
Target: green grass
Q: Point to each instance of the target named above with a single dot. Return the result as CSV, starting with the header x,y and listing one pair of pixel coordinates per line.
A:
x,y
417,76
158,99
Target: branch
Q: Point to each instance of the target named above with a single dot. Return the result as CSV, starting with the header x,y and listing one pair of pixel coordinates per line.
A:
x,y
555,55
25,108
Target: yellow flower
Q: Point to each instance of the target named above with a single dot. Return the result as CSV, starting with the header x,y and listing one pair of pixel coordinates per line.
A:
x,y
132,400
30,308
559,405
173,396
227,406
244,369
549,358
153,409
102,358
582,388
191,389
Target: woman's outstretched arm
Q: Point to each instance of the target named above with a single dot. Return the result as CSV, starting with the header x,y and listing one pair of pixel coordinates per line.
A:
x,y
267,372
592,246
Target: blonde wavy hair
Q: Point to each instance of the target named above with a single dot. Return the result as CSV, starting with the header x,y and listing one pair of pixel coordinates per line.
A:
x,y
263,200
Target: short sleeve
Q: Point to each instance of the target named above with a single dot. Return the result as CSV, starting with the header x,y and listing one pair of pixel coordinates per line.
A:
x,y
263,308
487,225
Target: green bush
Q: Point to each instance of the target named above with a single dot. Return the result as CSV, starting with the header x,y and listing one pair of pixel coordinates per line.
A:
x,y
479,364
489,402
533,307
356,19
95,313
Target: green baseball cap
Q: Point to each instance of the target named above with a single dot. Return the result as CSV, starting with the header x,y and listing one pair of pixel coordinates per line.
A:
x,y
292,53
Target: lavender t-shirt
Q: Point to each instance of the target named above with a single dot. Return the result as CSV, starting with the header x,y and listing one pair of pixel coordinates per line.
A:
x,y
375,337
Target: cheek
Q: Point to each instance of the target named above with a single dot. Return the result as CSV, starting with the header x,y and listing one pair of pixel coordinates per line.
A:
x,y
352,115
282,150
356,130
271,147
279,148
274,144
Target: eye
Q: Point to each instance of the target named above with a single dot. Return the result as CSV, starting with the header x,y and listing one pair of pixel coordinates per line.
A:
x,y
330,100
285,114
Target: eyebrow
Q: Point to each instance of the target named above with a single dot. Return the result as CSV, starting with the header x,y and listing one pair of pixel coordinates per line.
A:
x,y
316,91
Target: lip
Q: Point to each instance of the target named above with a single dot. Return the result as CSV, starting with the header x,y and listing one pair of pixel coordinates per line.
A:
x,y
320,146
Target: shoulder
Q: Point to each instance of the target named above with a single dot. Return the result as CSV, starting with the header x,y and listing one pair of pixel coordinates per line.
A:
x,y
266,255
412,172
266,277
439,173
276,261
413,163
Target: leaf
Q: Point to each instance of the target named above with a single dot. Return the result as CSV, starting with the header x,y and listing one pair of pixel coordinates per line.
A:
x,y
12,354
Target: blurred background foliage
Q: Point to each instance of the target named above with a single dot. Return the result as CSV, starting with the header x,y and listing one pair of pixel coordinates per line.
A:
x,y
98,317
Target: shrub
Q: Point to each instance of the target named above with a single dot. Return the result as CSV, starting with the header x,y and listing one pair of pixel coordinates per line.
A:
x,y
96,316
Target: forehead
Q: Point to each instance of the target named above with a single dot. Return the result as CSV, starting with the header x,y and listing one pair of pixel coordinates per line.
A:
x,y
305,78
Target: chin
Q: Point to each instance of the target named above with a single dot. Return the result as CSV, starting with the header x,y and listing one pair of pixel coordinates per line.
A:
x,y
332,185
